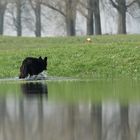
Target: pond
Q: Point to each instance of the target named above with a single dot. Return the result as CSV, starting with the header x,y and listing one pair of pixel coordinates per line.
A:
x,y
70,110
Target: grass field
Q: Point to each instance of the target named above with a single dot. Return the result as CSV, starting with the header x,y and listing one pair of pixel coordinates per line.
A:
x,y
105,57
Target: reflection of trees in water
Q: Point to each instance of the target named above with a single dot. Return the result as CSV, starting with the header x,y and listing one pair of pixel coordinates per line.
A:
x,y
35,91
23,117
125,131
96,121
35,119
123,124
2,117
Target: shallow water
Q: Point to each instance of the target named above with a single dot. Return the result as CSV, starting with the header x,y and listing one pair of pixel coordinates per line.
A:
x,y
70,110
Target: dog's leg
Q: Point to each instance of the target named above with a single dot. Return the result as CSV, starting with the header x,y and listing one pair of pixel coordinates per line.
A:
x,y
23,71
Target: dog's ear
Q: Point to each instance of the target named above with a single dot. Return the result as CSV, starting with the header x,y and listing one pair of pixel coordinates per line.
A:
x,y
40,58
45,59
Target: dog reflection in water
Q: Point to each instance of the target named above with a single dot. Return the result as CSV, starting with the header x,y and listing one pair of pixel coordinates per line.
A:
x,y
34,89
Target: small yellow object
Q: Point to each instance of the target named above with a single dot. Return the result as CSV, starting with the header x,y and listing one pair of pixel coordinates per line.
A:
x,y
88,39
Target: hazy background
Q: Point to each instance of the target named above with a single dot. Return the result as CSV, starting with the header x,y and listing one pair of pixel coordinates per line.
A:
x,y
69,17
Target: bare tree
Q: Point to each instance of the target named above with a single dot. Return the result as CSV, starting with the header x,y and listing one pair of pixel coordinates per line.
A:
x,y
92,16
36,6
97,18
70,16
16,10
18,17
67,8
3,4
90,21
121,6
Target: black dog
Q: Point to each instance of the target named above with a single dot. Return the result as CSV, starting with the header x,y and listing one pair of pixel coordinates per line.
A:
x,y
32,66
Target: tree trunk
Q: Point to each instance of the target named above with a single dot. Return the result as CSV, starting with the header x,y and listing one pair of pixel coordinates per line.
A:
x,y
2,12
70,26
70,17
122,16
97,17
121,7
90,21
18,20
122,23
38,19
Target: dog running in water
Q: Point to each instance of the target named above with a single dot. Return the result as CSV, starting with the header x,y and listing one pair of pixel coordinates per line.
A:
x,y
32,66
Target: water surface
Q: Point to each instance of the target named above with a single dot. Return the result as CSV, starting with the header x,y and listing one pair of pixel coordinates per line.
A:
x,y
70,110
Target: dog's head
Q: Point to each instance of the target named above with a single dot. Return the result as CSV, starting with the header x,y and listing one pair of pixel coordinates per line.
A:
x,y
44,62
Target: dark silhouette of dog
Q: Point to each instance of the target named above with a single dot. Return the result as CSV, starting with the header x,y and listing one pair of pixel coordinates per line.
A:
x,y
32,66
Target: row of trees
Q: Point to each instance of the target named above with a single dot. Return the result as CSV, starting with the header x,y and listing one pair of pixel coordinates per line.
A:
x,y
68,9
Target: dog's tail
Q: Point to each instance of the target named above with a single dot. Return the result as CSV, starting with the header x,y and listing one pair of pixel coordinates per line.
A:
x,y
23,71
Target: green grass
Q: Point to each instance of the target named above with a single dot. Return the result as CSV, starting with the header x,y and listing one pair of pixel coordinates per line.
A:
x,y
105,57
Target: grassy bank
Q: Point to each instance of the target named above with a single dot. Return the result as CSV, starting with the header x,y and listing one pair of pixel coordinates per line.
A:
x,y
105,56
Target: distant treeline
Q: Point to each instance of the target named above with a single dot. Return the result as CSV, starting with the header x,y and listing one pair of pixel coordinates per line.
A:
x,y
30,12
